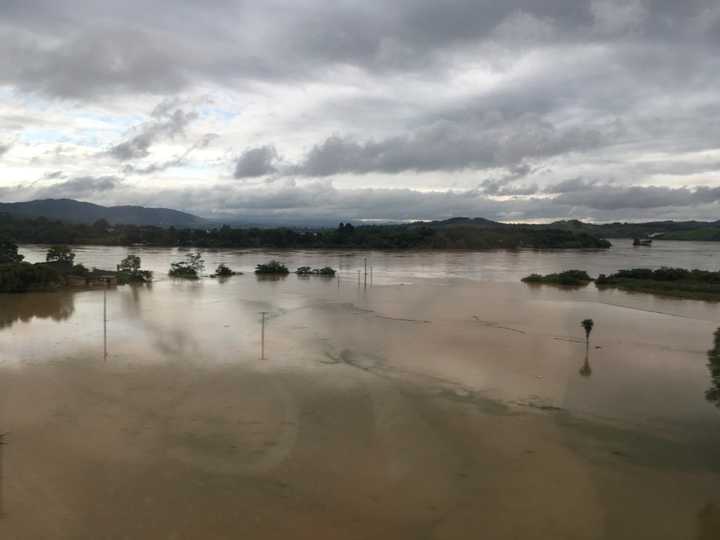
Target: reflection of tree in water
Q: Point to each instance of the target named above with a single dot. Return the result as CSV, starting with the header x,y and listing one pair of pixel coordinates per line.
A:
x,y
713,395
586,369
25,307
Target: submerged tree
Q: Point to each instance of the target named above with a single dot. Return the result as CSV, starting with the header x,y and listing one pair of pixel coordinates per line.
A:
x,y
587,324
60,254
189,268
129,270
224,270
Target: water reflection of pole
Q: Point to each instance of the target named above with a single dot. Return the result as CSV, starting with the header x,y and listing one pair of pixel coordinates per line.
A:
x,y
262,336
366,272
2,443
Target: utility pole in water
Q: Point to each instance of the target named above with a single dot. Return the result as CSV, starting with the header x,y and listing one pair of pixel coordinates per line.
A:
x,y
105,352
262,335
365,273
2,443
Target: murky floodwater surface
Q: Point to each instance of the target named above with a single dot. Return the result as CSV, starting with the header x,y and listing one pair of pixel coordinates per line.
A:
x,y
444,400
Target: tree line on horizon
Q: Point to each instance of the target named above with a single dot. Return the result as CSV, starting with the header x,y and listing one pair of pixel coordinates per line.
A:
x,y
346,235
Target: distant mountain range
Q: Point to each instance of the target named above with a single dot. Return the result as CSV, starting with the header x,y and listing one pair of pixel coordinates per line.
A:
x,y
72,211
661,230
83,212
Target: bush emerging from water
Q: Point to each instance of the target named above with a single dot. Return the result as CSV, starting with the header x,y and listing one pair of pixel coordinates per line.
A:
x,y
273,267
569,277
190,268
224,270
326,271
129,271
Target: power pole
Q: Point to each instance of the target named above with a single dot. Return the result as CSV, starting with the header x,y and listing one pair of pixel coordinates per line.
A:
x,y
262,336
2,443
105,350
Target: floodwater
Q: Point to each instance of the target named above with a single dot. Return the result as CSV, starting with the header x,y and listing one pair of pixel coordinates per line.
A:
x,y
442,400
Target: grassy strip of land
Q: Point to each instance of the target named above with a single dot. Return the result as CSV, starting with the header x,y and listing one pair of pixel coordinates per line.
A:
x,y
678,282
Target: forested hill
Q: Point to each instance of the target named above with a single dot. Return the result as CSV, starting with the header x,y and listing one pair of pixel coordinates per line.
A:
x,y
662,230
72,211
453,234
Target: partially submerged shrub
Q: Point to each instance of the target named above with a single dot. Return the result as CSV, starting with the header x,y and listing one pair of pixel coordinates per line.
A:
x,y
129,271
190,268
307,271
224,271
273,267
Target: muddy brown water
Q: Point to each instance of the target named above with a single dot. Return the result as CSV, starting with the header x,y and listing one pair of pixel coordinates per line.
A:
x,y
444,401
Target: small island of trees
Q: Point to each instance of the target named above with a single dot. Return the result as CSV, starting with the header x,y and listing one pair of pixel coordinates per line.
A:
x,y
129,271
190,268
325,271
273,267
59,271
224,271
679,282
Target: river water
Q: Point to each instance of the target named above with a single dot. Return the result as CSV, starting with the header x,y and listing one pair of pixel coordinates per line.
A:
x,y
438,397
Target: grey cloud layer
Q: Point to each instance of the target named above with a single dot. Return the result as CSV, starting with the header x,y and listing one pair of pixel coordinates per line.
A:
x,y
167,123
81,47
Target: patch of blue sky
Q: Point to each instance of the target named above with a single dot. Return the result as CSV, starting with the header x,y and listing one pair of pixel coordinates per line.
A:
x,y
217,113
120,123
33,136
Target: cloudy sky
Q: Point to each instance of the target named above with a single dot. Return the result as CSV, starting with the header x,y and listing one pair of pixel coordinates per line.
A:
x,y
302,110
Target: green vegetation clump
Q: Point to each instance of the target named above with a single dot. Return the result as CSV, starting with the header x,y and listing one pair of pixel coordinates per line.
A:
x,y
573,278
60,254
9,252
273,267
680,282
190,268
225,271
26,277
326,271
129,271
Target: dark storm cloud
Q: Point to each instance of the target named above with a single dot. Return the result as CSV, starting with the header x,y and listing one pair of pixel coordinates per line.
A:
x,y
612,197
81,48
450,146
79,187
256,162
572,185
168,123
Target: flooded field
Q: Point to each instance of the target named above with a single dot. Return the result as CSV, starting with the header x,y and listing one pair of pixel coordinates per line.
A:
x,y
444,400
